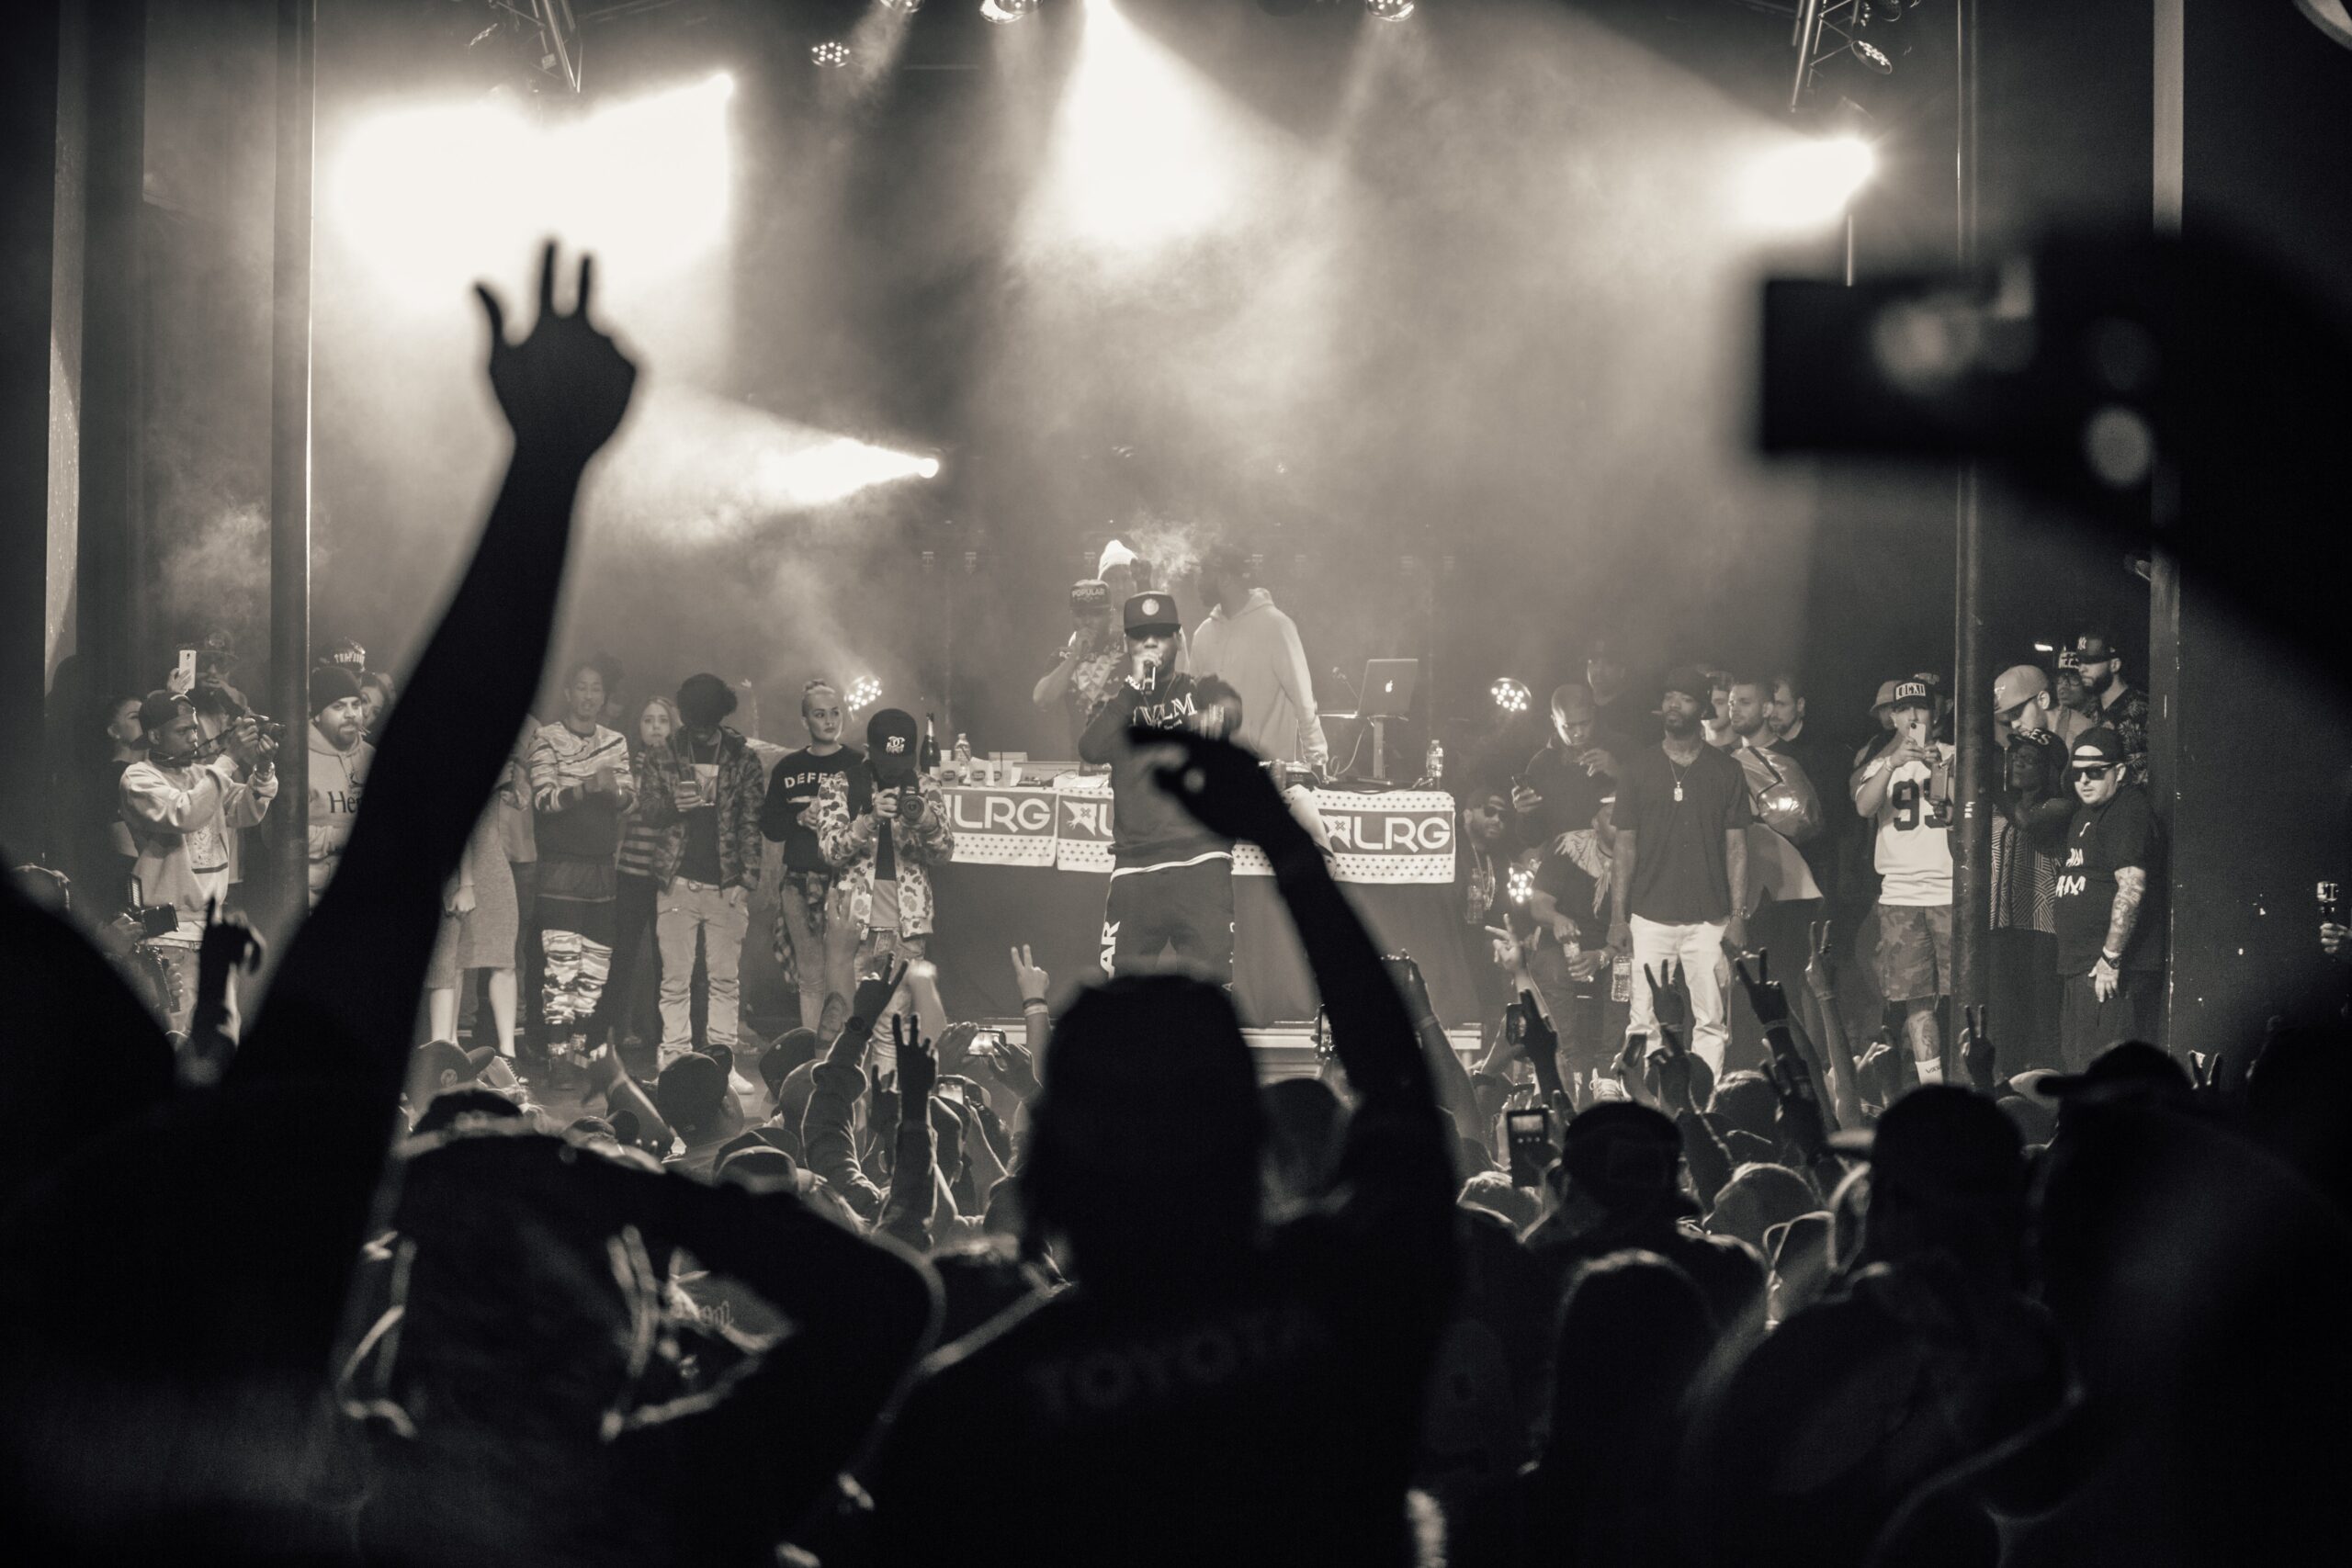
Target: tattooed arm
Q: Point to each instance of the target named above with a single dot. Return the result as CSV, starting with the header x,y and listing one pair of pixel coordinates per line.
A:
x,y
2131,887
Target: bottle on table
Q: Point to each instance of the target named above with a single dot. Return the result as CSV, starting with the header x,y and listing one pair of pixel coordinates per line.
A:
x,y
929,759
1433,762
962,759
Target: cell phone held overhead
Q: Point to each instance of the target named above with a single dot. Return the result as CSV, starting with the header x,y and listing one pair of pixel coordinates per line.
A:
x,y
1528,1134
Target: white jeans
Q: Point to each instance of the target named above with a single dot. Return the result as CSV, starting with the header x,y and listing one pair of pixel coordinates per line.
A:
x,y
686,911
1699,950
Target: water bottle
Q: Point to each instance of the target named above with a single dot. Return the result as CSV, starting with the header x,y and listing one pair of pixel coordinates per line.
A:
x,y
1621,979
962,759
1433,762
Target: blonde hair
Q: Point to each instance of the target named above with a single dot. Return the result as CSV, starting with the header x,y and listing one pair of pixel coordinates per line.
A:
x,y
677,720
819,684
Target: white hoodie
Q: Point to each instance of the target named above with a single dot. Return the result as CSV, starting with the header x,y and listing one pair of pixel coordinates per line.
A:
x,y
337,778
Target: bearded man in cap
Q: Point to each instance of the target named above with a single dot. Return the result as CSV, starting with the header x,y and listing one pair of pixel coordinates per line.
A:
x,y
2108,905
1082,679
880,853
1172,880
2112,702
182,815
1680,889
340,758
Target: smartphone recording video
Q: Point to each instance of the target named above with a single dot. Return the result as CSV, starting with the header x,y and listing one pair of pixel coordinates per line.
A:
x,y
1531,1152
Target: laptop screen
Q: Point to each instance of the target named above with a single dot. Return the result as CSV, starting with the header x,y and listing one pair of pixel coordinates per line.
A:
x,y
1388,687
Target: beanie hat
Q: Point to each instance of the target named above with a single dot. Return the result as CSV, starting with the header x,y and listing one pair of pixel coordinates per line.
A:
x,y
331,684
349,654
1114,554
704,700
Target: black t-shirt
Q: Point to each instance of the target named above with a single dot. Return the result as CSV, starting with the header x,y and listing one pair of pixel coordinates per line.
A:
x,y
1571,795
2103,838
1261,1410
793,784
1680,875
698,861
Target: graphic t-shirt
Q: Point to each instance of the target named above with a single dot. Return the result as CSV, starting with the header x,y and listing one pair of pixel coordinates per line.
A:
x,y
792,789
698,809
1912,837
2102,839
1680,812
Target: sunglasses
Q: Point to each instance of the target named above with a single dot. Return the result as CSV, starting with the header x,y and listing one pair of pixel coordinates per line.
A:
x,y
2099,771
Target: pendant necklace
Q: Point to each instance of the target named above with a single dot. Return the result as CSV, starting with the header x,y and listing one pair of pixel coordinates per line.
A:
x,y
1677,779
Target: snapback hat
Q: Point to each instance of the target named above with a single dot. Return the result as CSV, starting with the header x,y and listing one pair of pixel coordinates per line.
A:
x,y
2018,683
1627,1156
1911,693
1090,595
159,708
890,736
1692,681
1943,1144
1151,611
1885,697
2095,749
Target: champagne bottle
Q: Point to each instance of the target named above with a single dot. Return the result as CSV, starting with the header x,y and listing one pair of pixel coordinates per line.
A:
x,y
928,758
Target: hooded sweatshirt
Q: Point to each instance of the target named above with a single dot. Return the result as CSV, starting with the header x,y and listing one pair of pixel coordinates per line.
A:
x,y
1256,650
336,778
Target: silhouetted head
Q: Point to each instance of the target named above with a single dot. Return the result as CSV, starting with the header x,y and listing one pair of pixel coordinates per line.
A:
x,y
1146,1142
1634,1332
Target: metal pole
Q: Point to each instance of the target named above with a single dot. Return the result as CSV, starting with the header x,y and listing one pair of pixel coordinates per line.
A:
x,y
1972,862
289,460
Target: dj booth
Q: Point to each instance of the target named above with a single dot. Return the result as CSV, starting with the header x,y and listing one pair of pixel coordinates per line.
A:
x,y
1032,862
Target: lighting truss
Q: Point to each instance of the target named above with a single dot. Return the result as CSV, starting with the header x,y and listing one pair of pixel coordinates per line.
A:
x,y
1827,28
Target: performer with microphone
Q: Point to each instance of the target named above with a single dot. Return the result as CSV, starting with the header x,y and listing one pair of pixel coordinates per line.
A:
x,y
1171,882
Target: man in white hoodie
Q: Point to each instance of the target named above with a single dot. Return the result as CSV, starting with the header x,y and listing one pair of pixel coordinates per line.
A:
x,y
1254,648
340,756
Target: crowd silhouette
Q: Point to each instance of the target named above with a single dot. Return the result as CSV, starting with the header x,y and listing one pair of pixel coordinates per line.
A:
x,y
288,1292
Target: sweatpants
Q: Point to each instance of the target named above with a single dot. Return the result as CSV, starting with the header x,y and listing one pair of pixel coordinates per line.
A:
x,y
1187,907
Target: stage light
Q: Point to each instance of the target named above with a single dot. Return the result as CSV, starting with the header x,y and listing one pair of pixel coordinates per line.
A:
x,y
1522,882
830,470
434,197
1511,697
831,54
1805,183
1006,10
864,692
1144,152
1870,55
1389,10
908,6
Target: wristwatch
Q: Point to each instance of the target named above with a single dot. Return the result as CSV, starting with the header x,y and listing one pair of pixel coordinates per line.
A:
x,y
2112,960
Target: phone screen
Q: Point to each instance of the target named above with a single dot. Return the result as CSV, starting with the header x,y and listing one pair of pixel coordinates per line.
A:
x,y
1530,1133
950,1090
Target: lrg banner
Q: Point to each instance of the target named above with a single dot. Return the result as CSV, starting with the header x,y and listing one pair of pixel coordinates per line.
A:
x,y
1397,836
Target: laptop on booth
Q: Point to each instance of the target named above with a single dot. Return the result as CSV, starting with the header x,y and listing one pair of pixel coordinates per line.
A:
x,y
1388,687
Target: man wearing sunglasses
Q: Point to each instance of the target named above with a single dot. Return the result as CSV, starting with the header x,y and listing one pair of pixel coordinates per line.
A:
x,y
2108,906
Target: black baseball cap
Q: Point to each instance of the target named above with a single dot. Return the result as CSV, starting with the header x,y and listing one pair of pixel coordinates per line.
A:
x,y
1943,1144
2095,749
1690,680
1911,693
1626,1156
890,738
1153,611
